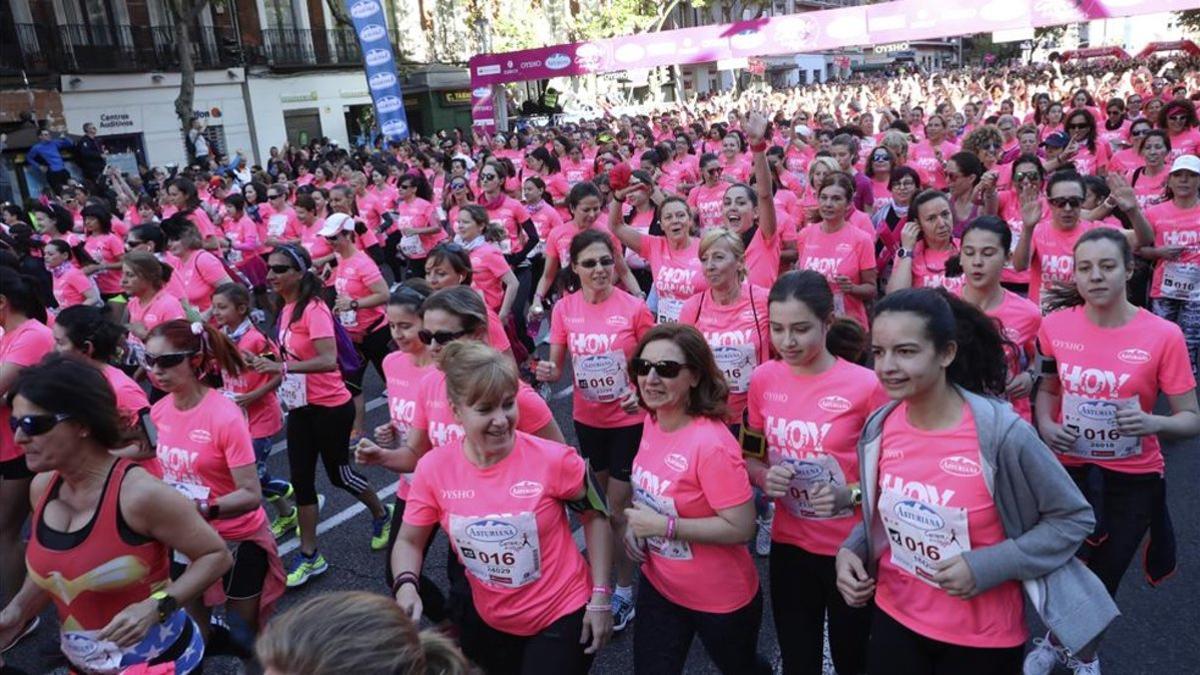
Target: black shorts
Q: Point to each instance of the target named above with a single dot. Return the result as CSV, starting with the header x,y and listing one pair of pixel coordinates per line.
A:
x,y
610,450
246,578
15,469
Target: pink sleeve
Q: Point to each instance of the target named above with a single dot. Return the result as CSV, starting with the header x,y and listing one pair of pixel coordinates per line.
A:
x,y
497,336
421,508
722,475
651,248
370,273
558,331
116,248
754,417
210,269
237,444
644,320
1044,344
552,243
691,308
866,255
520,213
494,261
171,308
1175,367
319,321
568,474
79,283
28,349
420,420
532,410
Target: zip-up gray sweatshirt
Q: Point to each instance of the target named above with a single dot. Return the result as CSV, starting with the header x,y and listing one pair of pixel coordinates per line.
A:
x,y
1044,515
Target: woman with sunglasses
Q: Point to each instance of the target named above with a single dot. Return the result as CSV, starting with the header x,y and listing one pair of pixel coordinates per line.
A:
x,y
673,257
415,227
1027,174
843,253
458,194
599,325
490,272
1175,286
706,199
927,243
1114,133
206,453
692,513
1087,155
199,271
24,341
1048,239
1178,119
70,285
279,223
1150,179
972,187
521,236
805,413
107,525
880,165
1095,405
320,411
536,604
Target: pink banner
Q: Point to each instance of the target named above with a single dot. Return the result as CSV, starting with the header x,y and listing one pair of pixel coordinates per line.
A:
x,y
483,110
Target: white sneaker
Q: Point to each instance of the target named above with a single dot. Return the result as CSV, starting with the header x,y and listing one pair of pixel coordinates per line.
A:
x,y
1044,656
1084,667
762,538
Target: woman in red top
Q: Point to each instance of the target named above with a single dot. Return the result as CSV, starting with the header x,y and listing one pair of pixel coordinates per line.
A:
x,y
103,532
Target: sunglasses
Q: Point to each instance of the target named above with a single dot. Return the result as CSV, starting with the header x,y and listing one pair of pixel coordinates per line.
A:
x,y
1026,175
713,171
953,176
665,369
994,147
880,157
905,183
164,360
274,196
441,337
1064,202
591,263
1079,125
458,186
133,244
410,186
1139,132
281,269
36,425
488,176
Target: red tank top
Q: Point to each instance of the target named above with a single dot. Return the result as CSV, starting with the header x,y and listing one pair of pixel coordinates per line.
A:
x,y
99,570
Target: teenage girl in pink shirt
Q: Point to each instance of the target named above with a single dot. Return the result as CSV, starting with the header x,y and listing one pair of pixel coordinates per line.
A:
x,y
537,605
1105,363
805,414
962,504
692,513
1175,286
839,250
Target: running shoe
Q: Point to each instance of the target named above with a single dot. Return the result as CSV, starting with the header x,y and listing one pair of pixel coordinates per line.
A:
x,y
277,488
1084,667
283,525
381,528
622,609
304,568
762,537
1044,656
28,630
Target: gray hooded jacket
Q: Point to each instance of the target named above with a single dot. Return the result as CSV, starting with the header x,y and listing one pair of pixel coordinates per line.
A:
x,y
1043,513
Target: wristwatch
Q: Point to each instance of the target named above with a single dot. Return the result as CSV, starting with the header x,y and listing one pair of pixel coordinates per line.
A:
x,y
353,304
903,253
856,496
167,604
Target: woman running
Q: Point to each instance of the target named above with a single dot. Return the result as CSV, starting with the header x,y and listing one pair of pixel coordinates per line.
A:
x,y
692,513
71,286
449,265
200,272
843,253
1175,287
674,256
538,606
105,250
491,274
143,278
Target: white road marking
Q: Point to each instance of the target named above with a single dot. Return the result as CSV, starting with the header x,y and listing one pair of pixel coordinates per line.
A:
x,y
337,519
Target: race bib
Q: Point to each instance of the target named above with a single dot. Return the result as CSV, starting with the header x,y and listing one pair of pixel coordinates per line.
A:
x,y
411,246
808,474
192,491
90,654
839,303
348,318
672,549
1181,281
235,256
737,362
1096,423
293,391
601,378
669,309
499,550
921,534
276,224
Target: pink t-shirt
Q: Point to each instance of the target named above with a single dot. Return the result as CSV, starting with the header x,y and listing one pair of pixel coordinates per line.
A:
x,y
762,259
131,398
199,218
600,338
419,214
200,275
1020,321
812,423
70,287
923,157
403,379
353,278
678,275
739,335
1186,143
694,472
849,251
575,172
558,244
23,346
488,268
1089,163
1149,189
518,587
106,249
244,243
497,338
198,448
706,202
280,225
929,268
324,389
1174,227
433,417
1052,254
510,214
928,470
1102,369
163,307
266,417
545,219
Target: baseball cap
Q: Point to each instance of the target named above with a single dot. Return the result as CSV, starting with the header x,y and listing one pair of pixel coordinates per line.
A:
x,y
1186,163
338,222
1058,139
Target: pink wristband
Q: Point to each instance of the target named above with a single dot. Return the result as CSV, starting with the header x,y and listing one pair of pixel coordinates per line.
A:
x,y
670,527
604,590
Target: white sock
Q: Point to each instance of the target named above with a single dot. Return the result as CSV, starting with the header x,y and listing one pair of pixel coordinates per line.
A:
x,y
624,591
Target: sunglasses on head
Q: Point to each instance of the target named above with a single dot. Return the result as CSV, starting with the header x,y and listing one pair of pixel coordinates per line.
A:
x,y
164,360
665,369
1063,202
442,337
591,263
281,269
36,425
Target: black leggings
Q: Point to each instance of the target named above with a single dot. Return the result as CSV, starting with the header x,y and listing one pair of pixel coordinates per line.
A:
x,y
1124,504
663,632
319,431
248,575
375,345
555,649
803,588
896,650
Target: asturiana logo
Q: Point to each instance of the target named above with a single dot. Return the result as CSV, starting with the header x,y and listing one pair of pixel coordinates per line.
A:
x,y
381,81
558,61
1098,410
918,515
807,470
481,92
372,32
364,8
378,57
388,104
525,489
676,462
834,404
958,465
1134,356
491,530
394,128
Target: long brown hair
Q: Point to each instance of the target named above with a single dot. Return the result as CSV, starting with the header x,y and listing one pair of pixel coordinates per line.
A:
x,y
708,397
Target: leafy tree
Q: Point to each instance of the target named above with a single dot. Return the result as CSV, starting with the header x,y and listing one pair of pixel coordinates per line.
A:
x,y
185,13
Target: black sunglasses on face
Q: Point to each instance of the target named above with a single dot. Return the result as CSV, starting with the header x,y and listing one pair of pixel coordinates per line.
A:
x,y
593,262
441,337
1079,125
1026,175
164,360
1064,202
665,369
488,176
1139,132
281,269
36,425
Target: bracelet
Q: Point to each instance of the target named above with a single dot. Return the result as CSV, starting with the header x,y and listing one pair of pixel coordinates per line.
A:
x,y
283,367
670,527
760,146
604,590
598,608
404,578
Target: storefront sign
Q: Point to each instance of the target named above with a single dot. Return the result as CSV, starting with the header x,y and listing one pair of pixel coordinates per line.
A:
x,y
456,97
123,122
298,98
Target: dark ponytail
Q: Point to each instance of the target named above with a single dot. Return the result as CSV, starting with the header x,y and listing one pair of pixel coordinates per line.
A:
x,y
86,325
979,365
20,291
845,339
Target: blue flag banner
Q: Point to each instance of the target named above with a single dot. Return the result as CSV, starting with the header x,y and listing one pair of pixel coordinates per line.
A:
x,y
370,25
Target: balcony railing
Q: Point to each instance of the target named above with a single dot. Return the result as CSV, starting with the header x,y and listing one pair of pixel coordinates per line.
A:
x,y
88,48
295,47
